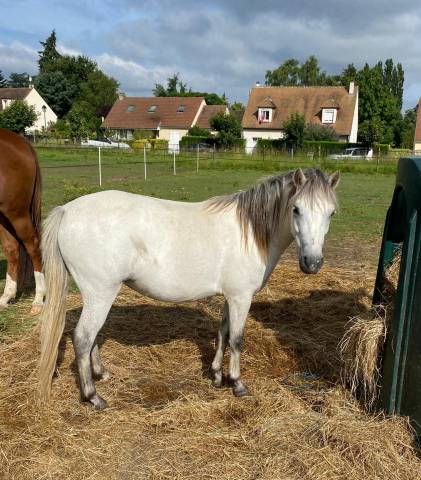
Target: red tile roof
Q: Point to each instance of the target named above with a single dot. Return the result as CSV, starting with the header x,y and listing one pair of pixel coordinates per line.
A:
x,y
165,114
207,113
307,101
418,124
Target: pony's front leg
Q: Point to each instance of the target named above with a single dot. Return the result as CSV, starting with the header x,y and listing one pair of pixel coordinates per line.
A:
x,y
238,310
220,348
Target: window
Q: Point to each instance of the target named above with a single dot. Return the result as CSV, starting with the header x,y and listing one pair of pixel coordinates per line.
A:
x,y
181,109
130,108
152,108
329,115
265,115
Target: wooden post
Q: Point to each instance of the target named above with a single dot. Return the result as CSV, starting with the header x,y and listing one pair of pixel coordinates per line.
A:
x,y
99,166
144,159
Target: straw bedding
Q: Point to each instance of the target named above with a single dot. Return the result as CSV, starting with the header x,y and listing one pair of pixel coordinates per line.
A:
x,y
165,420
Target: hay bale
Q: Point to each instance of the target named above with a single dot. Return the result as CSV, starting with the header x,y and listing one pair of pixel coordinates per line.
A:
x,y
362,345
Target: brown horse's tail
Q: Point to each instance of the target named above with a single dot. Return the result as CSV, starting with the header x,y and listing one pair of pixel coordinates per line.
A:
x,y
25,272
53,314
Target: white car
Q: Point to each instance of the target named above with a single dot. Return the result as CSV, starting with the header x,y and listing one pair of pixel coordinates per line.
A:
x,y
356,153
104,142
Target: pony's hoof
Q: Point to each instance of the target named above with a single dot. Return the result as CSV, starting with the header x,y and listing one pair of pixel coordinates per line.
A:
x,y
218,380
98,402
241,391
35,310
106,375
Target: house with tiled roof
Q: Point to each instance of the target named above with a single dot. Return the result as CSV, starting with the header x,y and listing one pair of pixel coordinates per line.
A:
x,y
417,138
45,114
269,107
168,118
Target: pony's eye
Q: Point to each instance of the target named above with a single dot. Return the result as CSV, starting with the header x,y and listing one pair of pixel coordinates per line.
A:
x,y
296,211
333,213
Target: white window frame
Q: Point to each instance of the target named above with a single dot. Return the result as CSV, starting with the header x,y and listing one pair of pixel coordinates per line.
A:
x,y
265,115
329,115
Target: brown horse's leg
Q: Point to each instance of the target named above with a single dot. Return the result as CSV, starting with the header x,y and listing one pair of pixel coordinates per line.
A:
x,y
11,252
28,236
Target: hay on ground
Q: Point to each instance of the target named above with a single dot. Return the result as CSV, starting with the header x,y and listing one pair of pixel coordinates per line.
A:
x,y
362,344
165,420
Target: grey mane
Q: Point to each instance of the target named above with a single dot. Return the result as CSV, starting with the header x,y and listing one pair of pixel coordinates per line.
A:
x,y
265,205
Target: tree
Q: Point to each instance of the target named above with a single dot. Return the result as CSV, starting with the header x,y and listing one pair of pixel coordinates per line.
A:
x,y
405,129
370,132
286,74
3,81
99,90
293,128
176,88
309,73
49,55
18,116
58,91
198,132
237,106
317,132
228,127
18,80
78,124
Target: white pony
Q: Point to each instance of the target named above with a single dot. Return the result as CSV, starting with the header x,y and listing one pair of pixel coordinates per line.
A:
x,y
176,251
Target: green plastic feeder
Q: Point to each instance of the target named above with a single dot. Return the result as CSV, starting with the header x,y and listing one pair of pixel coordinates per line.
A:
x,y
400,391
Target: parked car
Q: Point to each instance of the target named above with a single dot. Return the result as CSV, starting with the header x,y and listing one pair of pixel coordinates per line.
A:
x,y
203,147
104,142
356,153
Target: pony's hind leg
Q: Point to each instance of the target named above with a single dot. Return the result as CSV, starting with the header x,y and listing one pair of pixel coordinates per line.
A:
x,y
94,314
222,341
27,234
98,368
238,310
11,252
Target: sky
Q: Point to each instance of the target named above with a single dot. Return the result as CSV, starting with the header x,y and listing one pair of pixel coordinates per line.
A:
x,y
217,46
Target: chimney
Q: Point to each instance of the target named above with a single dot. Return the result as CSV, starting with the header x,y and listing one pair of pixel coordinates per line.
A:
x,y
30,84
257,83
351,88
121,95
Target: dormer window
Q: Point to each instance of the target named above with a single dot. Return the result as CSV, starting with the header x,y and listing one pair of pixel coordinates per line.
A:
x,y
152,109
329,115
181,109
130,108
265,115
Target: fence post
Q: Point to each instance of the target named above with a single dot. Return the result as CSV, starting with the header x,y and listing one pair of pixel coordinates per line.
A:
x,y
99,166
144,159
175,173
197,159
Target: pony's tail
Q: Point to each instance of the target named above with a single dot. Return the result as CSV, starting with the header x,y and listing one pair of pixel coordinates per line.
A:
x,y
25,269
54,311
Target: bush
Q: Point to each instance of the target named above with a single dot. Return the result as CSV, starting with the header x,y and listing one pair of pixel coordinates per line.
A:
x,y
266,144
140,144
198,132
188,140
159,143
317,132
143,134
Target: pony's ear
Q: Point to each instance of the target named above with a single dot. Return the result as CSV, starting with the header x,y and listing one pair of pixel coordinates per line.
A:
x,y
299,178
334,179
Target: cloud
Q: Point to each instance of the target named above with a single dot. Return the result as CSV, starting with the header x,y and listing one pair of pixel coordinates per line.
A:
x,y
218,45
18,57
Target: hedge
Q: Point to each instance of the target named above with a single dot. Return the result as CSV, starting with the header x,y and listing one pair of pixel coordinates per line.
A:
x,y
189,140
150,143
325,147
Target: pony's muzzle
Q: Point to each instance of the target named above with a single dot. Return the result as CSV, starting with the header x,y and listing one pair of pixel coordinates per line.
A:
x,y
310,263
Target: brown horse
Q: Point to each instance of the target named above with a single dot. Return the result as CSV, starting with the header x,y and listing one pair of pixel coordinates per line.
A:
x,y
20,216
